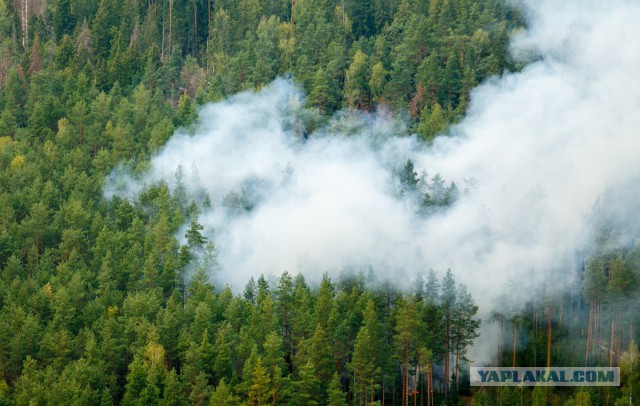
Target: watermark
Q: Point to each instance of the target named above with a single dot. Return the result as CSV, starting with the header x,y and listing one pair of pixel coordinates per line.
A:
x,y
557,376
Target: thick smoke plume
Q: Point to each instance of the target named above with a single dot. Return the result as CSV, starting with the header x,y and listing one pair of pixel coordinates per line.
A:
x,y
542,145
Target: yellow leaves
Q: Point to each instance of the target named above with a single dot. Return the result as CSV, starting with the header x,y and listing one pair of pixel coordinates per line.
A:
x,y
50,150
112,311
286,42
184,102
154,353
48,290
63,124
480,39
5,142
377,81
341,14
357,81
18,162
64,134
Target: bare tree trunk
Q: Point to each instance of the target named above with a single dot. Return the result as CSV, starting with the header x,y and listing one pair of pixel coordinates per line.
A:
x,y
561,307
446,362
598,330
170,26
405,375
613,326
548,337
372,392
501,343
195,29
430,385
589,334
422,388
25,22
415,384
455,372
515,337
162,46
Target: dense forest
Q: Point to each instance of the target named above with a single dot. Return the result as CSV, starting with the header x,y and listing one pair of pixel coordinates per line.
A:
x,y
101,304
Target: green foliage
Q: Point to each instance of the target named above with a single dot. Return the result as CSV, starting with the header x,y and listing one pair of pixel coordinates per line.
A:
x,y
223,396
99,301
335,395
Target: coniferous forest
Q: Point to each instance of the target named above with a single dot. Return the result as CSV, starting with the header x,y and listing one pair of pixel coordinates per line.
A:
x,y
106,301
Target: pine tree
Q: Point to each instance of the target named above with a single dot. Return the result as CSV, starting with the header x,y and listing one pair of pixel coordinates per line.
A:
x,y
172,394
464,327
377,82
321,355
408,177
363,368
408,331
448,302
260,391
432,121
357,82
136,382
306,390
223,396
432,286
324,302
335,395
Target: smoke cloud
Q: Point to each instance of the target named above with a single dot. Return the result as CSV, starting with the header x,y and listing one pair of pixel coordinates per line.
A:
x,y
542,144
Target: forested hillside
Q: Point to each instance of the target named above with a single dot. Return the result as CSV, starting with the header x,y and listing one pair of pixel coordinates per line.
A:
x,y
99,301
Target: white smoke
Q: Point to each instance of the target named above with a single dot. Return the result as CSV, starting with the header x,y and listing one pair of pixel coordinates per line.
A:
x,y
543,145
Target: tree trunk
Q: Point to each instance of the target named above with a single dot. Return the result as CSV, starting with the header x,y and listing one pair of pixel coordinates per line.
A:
x,y
415,384
548,337
430,385
170,26
589,333
515,337
455,372
25,22
405,375
613,326
422,388
501,343
597,330
195,29
446,362
561,307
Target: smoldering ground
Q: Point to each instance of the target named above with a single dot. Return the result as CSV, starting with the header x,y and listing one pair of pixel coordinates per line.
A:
x,y
542,144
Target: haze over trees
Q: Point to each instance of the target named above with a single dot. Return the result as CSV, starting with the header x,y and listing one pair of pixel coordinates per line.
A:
x,y
101,304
